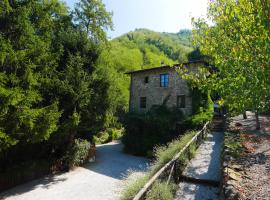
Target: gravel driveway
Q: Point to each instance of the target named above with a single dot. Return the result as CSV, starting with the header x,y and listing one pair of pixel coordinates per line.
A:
x,y
95,181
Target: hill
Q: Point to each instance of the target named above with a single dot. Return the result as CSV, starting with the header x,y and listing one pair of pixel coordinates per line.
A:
x,y
136,50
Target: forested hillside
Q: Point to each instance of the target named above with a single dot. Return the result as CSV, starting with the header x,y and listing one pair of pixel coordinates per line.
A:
x,y
141,49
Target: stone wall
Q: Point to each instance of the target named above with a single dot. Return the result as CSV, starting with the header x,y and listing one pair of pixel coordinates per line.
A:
x,y
155,95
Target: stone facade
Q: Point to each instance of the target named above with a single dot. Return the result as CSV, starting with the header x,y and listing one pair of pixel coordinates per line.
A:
x,y
145,88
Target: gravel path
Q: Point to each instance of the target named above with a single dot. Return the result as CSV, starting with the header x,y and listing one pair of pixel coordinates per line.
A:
x,y
205,166
101,180
254,163
255,184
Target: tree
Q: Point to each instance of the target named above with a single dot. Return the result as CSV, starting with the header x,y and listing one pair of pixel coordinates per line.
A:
x,y
25,59
92,16
49,90
238,45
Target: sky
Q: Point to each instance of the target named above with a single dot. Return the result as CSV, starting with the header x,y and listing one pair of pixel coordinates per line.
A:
x,y
156,15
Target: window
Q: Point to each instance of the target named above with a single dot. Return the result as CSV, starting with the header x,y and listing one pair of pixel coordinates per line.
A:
x,y
164,80
143,102
146,79
181,101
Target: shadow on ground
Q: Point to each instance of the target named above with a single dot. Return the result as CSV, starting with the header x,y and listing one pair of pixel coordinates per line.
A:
x,y
249,125
46,183
111,161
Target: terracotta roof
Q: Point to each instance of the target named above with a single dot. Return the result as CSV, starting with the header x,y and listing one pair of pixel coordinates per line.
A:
x,y
165,67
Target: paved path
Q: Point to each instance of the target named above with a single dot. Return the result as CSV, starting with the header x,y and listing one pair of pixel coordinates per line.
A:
x,y
204,166
101,180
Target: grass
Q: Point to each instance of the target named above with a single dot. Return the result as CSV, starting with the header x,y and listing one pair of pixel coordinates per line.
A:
x,y
161,191
134,182
163,155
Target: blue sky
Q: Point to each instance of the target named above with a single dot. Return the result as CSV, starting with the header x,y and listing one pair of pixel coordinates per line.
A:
x,y
157,15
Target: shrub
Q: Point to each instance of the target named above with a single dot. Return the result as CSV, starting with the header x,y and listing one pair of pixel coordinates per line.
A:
x,y
114,133
160,191
198,120
203,115
79,152
144,131
101,138
202,110
108,135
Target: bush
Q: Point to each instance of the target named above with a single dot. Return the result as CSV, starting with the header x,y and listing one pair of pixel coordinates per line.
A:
x,y
79,152
144,131
197,121
101,138
108,135
160,191
202,115
114,133
202,110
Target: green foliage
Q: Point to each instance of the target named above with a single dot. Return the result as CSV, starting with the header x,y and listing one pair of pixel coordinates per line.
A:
x,y
204,113
108,135
200,100
238,45
6,141
165,47
202,108
79,153
115,134
198,120
144,131
25,59
160,191
84,13
137,50
50,91
101,138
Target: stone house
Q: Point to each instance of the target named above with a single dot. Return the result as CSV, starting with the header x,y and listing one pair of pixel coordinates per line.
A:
x,y
155,86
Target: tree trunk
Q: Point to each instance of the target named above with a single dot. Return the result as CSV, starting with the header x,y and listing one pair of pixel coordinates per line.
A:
x,y
244,115
258,126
